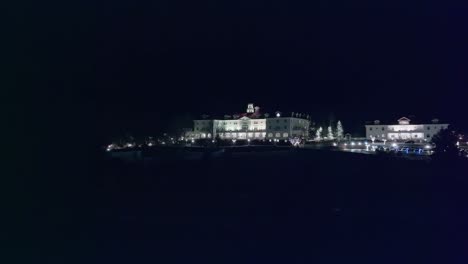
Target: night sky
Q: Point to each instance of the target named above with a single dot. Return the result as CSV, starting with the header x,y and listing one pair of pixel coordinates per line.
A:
x,y
132,67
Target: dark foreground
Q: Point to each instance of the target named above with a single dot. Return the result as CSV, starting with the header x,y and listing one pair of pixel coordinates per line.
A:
x,y
281,207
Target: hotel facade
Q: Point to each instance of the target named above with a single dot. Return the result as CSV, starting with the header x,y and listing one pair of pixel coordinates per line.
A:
x,y
252,125
404,130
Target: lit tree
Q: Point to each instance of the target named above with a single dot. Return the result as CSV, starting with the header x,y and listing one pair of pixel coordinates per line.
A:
x,y
318,134
330,133
339,130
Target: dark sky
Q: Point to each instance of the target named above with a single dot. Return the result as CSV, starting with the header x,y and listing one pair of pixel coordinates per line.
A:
x,y
130,66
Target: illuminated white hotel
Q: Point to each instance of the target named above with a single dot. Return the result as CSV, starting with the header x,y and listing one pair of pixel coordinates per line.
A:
x,y
252,125
404,130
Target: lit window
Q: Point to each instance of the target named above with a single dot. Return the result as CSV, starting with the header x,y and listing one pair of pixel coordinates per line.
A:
x,y
270,134
285,134
277,135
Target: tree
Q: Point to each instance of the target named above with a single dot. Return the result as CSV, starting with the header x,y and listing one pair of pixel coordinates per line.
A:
x,y
339,130
330,133
318,134
312,129
445,144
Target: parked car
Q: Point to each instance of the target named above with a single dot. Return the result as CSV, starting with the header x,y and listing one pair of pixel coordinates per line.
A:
x,y
427,152
404,150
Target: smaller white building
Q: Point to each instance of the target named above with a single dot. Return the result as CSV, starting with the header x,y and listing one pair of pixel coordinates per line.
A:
x,y
404,130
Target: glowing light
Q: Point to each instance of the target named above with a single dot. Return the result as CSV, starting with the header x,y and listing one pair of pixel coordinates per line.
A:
x,y
352,143
427,147
150,144
394,145
359,143
346,144
278,114
334,144
213,141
